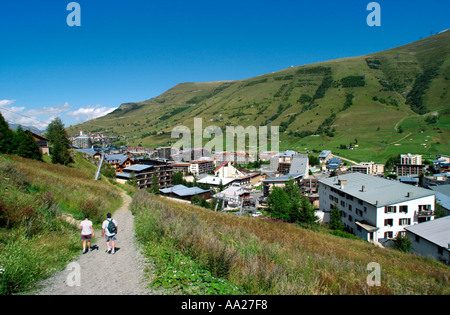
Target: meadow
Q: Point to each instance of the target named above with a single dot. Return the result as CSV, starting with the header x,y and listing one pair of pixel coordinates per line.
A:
x,y
36,202
252,256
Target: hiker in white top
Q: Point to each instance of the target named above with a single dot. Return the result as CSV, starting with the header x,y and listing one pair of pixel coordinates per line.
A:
x,y
109,232
87,233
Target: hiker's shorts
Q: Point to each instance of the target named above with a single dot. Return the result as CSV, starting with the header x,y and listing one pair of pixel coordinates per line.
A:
x,y
110,238
86,237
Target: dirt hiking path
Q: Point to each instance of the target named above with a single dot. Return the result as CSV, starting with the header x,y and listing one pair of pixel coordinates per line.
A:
x,y
100,273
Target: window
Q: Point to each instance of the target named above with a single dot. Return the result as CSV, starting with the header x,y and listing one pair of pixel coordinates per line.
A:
x,y
424,207
350,207
359,212
388,222
403,209
388,234
390,209
343,203
404,222
417,239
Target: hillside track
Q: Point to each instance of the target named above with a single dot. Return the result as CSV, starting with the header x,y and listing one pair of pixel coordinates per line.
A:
x,y
101,273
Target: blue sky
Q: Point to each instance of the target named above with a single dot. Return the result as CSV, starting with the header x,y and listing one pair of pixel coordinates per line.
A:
x,y
129,51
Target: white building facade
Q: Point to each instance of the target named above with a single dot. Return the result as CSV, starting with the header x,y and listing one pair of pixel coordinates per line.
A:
x,y
373,208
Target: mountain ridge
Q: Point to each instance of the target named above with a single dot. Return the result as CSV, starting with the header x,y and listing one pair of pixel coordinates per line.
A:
x,y
318,105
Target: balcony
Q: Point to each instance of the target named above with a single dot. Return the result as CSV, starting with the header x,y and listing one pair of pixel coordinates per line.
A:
x,y
424,213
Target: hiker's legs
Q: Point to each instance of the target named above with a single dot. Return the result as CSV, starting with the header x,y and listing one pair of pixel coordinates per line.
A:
x,y
84,245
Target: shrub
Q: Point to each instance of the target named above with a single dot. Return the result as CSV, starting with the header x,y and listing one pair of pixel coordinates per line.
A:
x,y
353,81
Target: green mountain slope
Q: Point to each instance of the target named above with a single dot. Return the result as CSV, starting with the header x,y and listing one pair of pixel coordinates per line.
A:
x,y
388,102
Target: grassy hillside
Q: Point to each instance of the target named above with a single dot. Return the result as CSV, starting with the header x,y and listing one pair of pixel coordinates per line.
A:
x,y
235,255
387,101
35,239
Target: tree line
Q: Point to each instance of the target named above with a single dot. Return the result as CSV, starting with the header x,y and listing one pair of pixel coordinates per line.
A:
x,y
22,143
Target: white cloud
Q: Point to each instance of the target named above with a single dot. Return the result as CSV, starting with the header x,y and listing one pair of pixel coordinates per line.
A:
x,y
90,112
41,117
38,118
6,103
55,110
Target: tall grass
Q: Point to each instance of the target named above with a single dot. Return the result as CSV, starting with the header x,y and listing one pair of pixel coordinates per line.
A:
x,y
35,239
271,258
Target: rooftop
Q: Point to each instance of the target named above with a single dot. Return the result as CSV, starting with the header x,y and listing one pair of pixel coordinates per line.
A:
x,y
283,178
212,180
286,153
299,164
137,168
436,231
443,189
377,191
324,154
183,191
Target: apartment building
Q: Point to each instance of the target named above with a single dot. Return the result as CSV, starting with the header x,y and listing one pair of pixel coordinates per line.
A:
x,y
374,208
143,173
369,168
203,166
82,142
410,165
411,159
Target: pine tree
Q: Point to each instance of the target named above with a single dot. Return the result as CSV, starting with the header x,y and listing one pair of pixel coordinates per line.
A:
x,y
26,146
295,196
307,213
60,154
402,243
6,137
57,136
279,206
335,219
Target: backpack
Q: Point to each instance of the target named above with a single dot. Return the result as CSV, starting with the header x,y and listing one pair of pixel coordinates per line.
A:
x,y
111,227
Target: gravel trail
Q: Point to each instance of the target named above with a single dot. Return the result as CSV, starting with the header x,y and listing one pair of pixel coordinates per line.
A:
x,y
100,273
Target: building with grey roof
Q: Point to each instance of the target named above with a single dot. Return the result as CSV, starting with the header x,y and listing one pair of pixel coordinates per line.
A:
x,y
442,196
431,239
300,165
298,170
324,156
373,208
185,193
143,174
